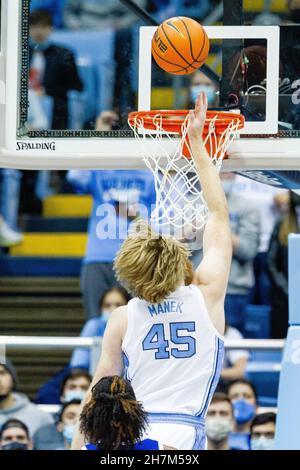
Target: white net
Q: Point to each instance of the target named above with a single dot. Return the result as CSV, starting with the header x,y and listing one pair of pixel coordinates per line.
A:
x,y
180,204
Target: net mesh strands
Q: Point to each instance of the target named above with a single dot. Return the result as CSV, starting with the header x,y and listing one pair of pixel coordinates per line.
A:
x,y
180,204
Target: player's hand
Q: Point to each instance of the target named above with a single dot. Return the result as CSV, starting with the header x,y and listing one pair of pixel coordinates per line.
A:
x,y
197,118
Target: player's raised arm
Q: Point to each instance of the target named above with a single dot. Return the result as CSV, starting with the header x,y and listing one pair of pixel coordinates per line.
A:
x,y
212,274
111,360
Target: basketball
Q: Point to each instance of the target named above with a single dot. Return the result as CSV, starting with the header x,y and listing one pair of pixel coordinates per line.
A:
x,y
180,45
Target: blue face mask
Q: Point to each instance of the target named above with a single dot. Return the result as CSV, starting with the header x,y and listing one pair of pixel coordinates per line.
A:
x,y
243,411
105,316
262,443
208,89
74,395
68,432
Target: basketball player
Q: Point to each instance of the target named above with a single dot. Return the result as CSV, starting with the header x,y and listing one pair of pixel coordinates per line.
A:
x,y
113,419
171,334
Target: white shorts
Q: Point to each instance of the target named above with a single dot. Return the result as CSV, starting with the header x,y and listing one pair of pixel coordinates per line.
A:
x,y
178,436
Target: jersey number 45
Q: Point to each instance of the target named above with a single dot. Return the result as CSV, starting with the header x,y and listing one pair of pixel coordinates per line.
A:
x,y
156,340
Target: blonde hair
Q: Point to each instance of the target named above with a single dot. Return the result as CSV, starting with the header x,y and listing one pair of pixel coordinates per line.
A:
x,y
152,266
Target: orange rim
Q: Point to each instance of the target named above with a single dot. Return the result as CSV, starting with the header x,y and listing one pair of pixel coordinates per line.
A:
x,y
172,120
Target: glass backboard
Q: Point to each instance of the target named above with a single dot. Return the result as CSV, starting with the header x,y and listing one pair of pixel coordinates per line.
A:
x,y
78,70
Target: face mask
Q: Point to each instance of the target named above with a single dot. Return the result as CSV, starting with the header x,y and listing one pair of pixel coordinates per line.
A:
x,y
15,446
262,443
227,186
74,395
243,411
217,429
105,316
208,89
68,432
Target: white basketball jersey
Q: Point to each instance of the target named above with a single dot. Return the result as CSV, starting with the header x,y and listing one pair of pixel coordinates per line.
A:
x,y
173,353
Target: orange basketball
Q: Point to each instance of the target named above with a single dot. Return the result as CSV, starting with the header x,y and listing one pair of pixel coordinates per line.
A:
x,y
180,45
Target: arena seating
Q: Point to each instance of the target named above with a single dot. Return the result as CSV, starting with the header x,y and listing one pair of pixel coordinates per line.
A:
x,y
39,289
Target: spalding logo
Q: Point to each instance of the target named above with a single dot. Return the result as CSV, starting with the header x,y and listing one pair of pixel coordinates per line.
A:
x,y
36,145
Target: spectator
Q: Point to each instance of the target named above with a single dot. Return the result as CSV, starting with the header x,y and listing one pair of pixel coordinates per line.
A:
x,y
278,266
243,396
111,299
68,418
8,237
54,7
113,419
64,382
14,435
119,197
219,422
200,82
235,361
17,405
263,431
268,200
53,71
73,386
245,226
111,14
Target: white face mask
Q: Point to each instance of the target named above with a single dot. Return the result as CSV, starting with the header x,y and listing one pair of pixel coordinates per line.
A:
x,y
68,432
262,443
74,395
217,429
207,89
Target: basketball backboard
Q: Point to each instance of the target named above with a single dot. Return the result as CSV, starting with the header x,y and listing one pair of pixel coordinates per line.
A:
x,y
253,62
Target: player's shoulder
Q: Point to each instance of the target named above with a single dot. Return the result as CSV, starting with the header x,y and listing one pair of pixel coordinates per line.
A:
x,y
119,311
119,315
118,320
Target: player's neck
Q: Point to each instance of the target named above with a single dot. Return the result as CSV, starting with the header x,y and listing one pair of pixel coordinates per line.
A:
x,y
222,445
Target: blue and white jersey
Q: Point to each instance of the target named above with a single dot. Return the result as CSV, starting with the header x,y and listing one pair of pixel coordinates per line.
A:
x,y
173,353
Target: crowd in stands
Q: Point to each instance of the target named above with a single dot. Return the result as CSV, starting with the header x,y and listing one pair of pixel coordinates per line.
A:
x,y
233,420
261,219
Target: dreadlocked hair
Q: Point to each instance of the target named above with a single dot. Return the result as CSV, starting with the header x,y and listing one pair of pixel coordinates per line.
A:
x,y
113,418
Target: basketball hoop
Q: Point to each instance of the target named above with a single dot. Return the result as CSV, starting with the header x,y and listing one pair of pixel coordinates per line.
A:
x,y
179,200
